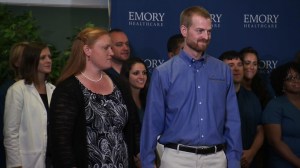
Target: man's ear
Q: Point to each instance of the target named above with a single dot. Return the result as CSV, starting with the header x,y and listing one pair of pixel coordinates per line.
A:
x,y
87,50
183,30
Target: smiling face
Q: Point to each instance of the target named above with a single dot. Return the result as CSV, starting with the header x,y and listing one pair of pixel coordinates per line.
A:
x,y
137,76
236,67
45,62
198,35
120,46
250,65
292,82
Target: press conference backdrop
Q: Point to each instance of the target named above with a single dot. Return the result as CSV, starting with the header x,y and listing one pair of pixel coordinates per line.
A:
x,y
271,27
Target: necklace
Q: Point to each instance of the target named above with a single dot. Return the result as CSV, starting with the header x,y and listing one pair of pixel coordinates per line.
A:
x,y
97,80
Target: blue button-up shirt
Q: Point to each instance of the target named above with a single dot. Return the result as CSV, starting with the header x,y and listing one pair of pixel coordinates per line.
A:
x,y
191,102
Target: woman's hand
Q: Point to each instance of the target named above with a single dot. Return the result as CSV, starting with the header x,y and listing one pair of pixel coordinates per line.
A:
x,y
137,161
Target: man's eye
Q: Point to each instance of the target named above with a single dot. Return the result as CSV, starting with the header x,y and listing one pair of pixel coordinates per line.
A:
x,y
199,30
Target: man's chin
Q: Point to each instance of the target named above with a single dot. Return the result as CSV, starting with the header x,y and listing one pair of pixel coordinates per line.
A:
x,y
120,59
125,56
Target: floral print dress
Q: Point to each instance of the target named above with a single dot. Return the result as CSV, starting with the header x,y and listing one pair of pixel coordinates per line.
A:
x,y
106,117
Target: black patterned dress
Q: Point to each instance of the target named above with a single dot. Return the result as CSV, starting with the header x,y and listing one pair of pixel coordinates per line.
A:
x,y
106,116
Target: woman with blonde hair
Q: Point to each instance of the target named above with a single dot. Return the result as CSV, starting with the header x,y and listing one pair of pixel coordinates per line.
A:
x,y
15,55
92,119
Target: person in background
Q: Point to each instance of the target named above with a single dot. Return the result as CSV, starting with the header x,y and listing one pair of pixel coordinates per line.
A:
x,y
121,50
93,119
250,111
281,117
15,56
134,71
174,45
26,109
253,81
192,105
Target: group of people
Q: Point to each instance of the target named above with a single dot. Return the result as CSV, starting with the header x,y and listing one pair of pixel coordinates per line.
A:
x,y
95,115
105,111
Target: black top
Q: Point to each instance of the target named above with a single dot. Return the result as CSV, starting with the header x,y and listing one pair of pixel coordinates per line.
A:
x,y
45,101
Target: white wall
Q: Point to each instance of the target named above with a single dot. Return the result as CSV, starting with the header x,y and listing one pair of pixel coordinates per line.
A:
x,y
58,3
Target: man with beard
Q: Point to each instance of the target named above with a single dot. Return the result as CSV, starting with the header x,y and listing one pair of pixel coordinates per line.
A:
x,y
121,50
192,105
250,112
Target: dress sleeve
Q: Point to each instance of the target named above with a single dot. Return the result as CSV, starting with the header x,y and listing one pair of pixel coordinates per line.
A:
x,y
64,109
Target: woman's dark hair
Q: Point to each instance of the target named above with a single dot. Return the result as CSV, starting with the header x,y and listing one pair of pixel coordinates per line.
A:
x,y
126,67
249,50
30,61
279,74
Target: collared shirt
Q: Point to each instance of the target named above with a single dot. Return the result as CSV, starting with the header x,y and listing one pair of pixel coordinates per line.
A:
x,y
191,102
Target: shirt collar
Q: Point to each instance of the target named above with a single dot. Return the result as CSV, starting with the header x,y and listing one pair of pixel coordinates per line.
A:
x,y
191,60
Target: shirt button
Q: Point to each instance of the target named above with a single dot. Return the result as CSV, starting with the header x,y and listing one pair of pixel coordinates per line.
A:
x,y
199,87
201,119
197,70
202,136
200,102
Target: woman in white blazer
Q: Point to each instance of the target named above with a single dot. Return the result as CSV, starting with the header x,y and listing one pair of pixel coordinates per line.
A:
x,y
26,106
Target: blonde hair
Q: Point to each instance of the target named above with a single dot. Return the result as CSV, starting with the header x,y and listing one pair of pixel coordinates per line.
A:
x,y
186,15
77,60
15,56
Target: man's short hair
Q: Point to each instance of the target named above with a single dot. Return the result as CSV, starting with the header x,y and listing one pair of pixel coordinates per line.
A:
x,y
174,41
229,55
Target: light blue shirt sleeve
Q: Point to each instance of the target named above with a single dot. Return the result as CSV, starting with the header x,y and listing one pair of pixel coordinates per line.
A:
x,y
153,121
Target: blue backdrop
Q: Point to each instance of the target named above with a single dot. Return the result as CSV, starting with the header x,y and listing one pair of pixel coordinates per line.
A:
x,y
271,27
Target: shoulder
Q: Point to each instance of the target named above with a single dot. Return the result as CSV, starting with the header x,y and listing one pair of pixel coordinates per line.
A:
x,y
67,82
18,85
174,65
70,84
216,63
167,64
277,104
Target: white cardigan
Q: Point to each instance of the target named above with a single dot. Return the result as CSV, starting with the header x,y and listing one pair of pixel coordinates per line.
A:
x,y
25,126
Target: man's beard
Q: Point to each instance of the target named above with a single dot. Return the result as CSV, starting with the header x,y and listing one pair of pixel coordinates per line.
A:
x,y
119,60
195,46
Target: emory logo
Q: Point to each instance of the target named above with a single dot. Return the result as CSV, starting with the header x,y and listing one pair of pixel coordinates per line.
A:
x,y
152,63
266,66
216,20
147,19
260,21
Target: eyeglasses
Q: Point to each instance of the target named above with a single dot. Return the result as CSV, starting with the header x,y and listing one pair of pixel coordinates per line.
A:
x,y
292,78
